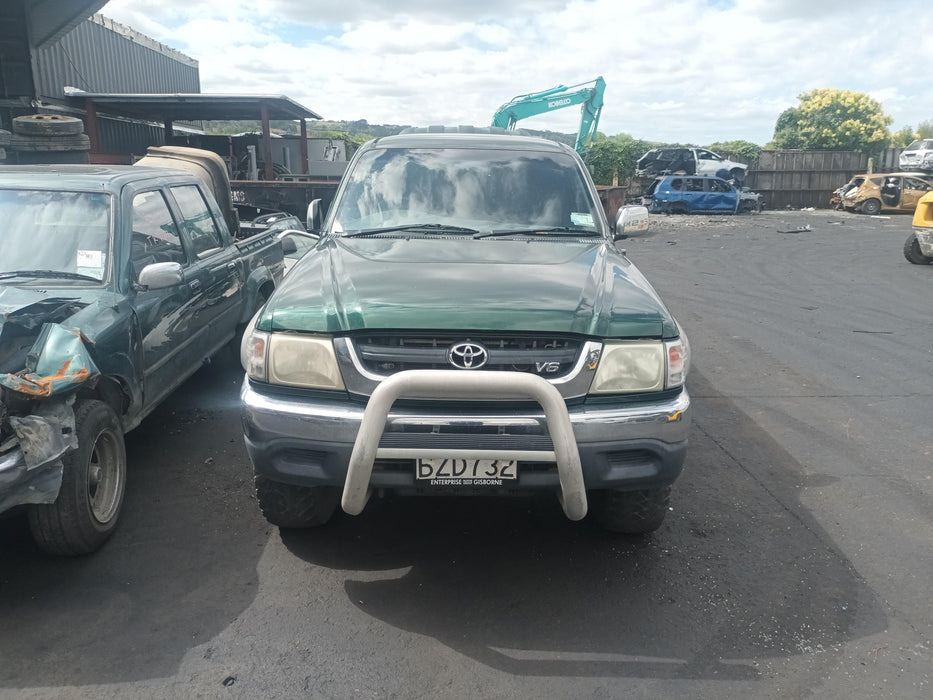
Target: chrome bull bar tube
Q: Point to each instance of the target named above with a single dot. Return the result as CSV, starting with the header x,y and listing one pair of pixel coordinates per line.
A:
x,y
445,384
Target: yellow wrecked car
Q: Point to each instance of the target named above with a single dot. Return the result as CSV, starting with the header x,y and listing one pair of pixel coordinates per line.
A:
x,y
918,248
889,192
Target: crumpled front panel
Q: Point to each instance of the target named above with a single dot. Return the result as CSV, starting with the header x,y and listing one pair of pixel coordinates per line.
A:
x,y
62,361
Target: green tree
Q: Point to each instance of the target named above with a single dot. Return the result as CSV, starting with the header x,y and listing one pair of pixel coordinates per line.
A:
x,y
836,120
615,155
745,151
902,137
925,130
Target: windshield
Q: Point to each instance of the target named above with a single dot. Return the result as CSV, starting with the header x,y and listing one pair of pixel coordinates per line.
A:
x,y
55,232
481,190
924,145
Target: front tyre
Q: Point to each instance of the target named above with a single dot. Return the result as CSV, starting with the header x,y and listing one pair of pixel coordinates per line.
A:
x,y
912,251
93,482
291,506
871,207
630,512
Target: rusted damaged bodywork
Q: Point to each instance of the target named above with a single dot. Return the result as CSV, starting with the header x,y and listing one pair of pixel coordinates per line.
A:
x,y
55,365
62,362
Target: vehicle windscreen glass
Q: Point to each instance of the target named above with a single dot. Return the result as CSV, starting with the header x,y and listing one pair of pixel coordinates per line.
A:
x,y
477,189
56,232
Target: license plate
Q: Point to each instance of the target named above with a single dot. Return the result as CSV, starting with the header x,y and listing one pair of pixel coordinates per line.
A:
x,y
466,472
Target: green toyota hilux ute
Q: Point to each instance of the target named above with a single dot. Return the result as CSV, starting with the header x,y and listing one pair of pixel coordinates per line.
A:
x,y
466,324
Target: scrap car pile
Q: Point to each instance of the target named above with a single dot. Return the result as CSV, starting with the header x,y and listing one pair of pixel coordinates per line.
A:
x,y
694,180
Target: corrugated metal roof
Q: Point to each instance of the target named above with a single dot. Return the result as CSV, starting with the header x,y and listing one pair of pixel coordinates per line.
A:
x,y
193,106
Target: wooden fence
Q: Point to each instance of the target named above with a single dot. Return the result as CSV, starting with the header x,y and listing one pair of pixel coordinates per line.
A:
x,y
799,179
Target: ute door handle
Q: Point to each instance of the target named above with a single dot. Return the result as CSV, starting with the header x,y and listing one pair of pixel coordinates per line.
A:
x,y
195,285
231,265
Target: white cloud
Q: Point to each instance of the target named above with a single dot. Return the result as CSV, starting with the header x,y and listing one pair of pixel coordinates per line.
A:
x,y
676,71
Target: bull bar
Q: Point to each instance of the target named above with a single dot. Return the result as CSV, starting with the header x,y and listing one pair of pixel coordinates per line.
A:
x,y
444,384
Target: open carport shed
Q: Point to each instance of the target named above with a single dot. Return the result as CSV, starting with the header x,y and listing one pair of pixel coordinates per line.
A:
x,y
169,108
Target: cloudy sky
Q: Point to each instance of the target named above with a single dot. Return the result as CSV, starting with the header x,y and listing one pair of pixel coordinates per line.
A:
x,y
695,71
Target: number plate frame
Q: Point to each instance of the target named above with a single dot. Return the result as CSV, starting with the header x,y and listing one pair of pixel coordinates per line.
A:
x,y
438,471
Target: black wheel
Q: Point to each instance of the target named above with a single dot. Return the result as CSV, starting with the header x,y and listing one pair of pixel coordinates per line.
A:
x,y
47,125
85,513
630,512
291,506
871,206
912,251
678,208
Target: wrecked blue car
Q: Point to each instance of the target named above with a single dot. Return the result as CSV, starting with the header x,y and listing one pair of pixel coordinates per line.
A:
x,y
116,284
689,194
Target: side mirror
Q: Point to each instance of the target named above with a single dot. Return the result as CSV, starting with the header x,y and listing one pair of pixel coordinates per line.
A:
x,y
161,275
631,220
313,217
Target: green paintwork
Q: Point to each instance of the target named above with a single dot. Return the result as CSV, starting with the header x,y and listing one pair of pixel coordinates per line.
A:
x,y
552,285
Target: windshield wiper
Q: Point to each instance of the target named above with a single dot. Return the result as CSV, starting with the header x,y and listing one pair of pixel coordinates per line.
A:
x,y
439,228
47,274
549,230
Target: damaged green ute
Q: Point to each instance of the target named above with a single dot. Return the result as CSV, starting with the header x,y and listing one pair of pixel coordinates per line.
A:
x,y
116,284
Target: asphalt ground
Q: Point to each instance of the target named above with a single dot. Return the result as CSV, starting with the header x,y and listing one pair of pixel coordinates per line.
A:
x,y
795,562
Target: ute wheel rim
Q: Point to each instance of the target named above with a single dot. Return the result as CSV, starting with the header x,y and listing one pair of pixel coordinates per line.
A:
x,y
105,478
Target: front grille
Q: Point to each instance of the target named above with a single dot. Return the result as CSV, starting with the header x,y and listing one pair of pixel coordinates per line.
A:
x,y
548,356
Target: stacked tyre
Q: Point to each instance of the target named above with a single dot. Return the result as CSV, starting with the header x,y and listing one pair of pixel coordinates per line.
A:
x,y
49,138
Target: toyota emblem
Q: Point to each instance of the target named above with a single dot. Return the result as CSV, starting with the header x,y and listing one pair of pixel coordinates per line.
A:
x,y
467,355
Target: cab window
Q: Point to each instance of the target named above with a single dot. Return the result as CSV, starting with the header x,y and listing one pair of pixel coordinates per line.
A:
x,y
197,220
155,236
719,186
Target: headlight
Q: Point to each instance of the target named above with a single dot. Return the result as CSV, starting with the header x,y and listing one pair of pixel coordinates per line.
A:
x,y
293,360
626,367
641,366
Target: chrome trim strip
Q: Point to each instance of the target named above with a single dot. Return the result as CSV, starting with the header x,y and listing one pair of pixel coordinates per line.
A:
x,y
521,455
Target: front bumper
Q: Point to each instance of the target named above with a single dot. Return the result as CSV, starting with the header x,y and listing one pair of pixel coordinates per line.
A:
x,y
303,441
21,485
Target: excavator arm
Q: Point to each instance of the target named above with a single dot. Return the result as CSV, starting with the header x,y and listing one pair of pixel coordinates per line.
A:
x,y
535,103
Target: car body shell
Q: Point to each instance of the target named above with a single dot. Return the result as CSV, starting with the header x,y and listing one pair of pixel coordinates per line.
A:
x,y
686,194
918,156
688,160
887,192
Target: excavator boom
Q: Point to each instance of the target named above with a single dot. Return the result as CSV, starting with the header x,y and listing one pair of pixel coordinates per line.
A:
x,y
524,106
